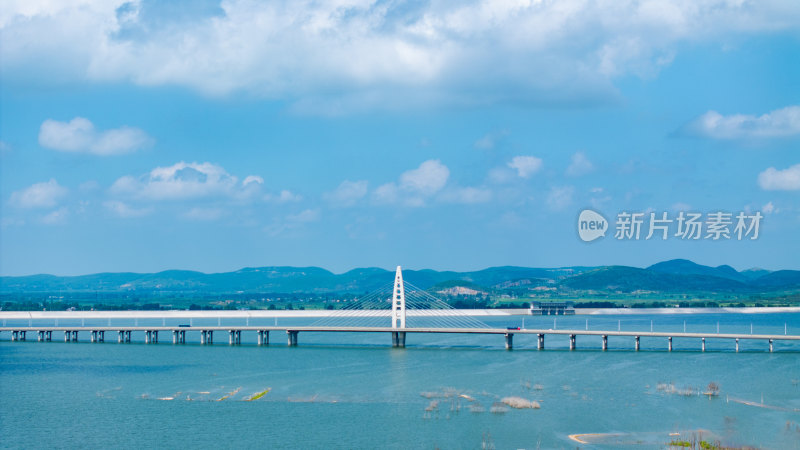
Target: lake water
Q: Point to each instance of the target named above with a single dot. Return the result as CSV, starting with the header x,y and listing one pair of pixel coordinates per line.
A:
x,y
442,391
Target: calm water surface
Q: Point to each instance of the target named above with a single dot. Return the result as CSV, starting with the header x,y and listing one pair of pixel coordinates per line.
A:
x,y
353,391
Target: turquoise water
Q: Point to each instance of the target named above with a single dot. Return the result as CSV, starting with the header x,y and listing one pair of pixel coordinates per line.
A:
x,y
354,391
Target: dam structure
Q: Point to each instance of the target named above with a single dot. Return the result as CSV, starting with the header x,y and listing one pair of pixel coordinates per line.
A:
x,y
398,309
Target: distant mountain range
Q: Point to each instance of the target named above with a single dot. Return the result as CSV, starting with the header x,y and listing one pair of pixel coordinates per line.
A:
x,y
675,276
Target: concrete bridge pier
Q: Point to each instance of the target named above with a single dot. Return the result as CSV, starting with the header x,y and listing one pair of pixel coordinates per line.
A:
x,y
540,343
148,335
770,344
704,344
75,335
14,335
737,345
67,336
49,336
40,336
605,342
669,339
174,336
207,337
572,341
102,336
234,337
120,336
638,343
263,337
93,335
509,341
292,337
399,339
182,336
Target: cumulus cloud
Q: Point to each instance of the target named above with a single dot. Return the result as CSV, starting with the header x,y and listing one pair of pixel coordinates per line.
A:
x,y
451,52
293,222
347,193
415,185
560,197
773,179
525,165
39,195
186,181
768,208
80,136
579,165
779,123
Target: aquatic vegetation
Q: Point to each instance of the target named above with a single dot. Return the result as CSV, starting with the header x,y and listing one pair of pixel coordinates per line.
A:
x,y
257,395
520,403
229,394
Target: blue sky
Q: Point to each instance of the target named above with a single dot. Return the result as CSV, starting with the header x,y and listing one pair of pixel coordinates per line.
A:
x,y
143,136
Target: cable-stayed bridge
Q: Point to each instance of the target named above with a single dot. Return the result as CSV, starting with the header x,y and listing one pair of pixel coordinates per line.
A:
x,y
398,308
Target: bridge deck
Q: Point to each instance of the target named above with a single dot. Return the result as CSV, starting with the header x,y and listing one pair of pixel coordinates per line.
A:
x,y
502,331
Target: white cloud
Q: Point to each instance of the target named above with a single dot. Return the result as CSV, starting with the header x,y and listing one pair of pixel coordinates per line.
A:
x,y
525,165
39,195
56,217
779,123
79,135
579,165
347,193
186,181
414,186
560,197
773,179
769,208
427,179
451,52
124,210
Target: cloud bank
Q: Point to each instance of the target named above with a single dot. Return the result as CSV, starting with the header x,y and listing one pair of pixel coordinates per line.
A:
x,y
333,57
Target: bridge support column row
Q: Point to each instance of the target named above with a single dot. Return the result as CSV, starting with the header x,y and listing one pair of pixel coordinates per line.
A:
x,y
178,336
605,342
71,335
98,336
638,344
234,337
18,335
292,337
207,337
124,336
540,344
572,341
45,336
151,337
399,339
669,339
509,341
263,337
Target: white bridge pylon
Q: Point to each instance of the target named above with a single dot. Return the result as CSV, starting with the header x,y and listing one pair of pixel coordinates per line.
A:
x,y
404,306
398,301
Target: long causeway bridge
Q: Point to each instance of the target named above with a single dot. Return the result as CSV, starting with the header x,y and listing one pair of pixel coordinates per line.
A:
x,y
406,305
